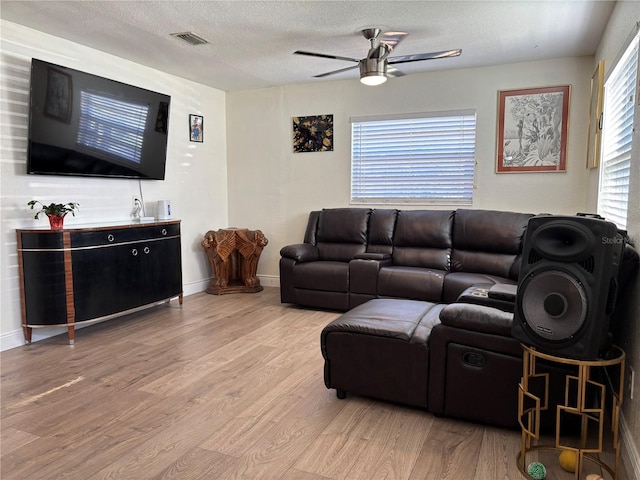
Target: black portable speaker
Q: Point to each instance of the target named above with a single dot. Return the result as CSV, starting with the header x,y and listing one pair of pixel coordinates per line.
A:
x,y
567,285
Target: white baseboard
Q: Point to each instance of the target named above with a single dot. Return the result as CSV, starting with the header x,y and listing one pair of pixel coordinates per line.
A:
x,y
269,280
629,452
15,339
201,285
195,287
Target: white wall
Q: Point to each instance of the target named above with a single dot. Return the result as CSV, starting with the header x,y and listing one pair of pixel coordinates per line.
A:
x,y
196,174
273,189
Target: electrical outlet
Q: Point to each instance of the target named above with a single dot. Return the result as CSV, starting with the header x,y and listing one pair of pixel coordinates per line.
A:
x,y
631,380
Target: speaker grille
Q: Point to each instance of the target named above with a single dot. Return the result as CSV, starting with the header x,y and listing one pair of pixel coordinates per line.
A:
x,y
589,264
554,304
534,257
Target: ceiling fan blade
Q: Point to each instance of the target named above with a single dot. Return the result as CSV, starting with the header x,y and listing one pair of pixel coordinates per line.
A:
x,y
324,55
394,72
424,56
335,71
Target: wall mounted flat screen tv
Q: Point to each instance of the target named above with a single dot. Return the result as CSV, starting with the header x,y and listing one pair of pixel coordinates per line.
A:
x,y
82,124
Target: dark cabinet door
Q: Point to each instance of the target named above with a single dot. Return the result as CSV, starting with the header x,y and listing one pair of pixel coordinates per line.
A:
x,y
45,293
161,270
106,280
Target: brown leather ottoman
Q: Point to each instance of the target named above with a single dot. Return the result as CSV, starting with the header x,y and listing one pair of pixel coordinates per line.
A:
x,y
380,349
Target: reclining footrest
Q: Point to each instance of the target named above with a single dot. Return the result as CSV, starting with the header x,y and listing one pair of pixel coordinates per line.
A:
x,y
380,349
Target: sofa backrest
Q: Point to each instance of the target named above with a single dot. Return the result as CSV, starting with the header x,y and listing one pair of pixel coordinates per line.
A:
x,y
382,224
342,233
487,241
422,238
475,241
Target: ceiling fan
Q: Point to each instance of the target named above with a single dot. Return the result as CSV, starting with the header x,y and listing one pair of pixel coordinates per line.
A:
x,y
375,67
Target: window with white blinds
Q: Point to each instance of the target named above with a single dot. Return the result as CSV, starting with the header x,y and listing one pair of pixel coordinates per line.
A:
x,y
112,126
617,133
424,159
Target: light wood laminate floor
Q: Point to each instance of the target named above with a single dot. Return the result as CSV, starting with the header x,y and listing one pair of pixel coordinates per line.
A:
x,y
224,387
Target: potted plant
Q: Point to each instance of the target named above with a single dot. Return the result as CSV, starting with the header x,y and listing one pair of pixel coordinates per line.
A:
x,y
55,211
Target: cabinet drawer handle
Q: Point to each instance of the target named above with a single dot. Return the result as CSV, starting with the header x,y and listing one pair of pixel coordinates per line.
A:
x,y
134,252
163,231
146,250
110,237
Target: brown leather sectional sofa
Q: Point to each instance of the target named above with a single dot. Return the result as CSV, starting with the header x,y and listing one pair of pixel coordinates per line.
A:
x,y
425,339
352,255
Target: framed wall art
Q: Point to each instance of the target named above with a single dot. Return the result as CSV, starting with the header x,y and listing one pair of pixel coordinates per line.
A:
x,y
59,95
313,134
594,137
196,128
532,130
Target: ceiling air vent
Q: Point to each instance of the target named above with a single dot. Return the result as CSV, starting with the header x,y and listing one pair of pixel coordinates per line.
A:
x,y
190,38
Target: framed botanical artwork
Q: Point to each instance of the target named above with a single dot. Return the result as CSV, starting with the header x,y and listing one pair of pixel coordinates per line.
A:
x,y
196,128
313,133
594,138
59,95
533,129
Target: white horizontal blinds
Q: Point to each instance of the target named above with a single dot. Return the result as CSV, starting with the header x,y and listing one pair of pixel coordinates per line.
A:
x,y
425,159
619,103
112,126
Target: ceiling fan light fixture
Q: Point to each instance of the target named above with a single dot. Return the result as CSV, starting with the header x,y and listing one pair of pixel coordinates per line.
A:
x,y
373,79
373,72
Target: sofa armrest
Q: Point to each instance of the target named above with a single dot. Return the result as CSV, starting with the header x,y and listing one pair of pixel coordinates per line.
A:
x,y
363,273
300,252
373,256
477,318
500,296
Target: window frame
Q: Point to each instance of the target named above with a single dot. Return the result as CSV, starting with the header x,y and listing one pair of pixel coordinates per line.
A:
x,y
613,182
424,155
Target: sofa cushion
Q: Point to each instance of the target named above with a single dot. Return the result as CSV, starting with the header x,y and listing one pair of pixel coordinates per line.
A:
x,y
342,233
329,276
487,241
423,238
478,318
411,282
398,319
382,224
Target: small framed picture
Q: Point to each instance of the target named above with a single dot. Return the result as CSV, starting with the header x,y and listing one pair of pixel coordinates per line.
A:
x,y
313,133
196,128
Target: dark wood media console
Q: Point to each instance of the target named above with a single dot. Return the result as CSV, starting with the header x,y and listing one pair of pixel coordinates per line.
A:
x,y
85,274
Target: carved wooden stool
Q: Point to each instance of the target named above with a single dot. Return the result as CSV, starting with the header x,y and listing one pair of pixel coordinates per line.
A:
x,y
234,254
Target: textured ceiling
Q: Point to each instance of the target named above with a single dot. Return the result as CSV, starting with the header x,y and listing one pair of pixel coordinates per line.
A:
x,y
251,42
